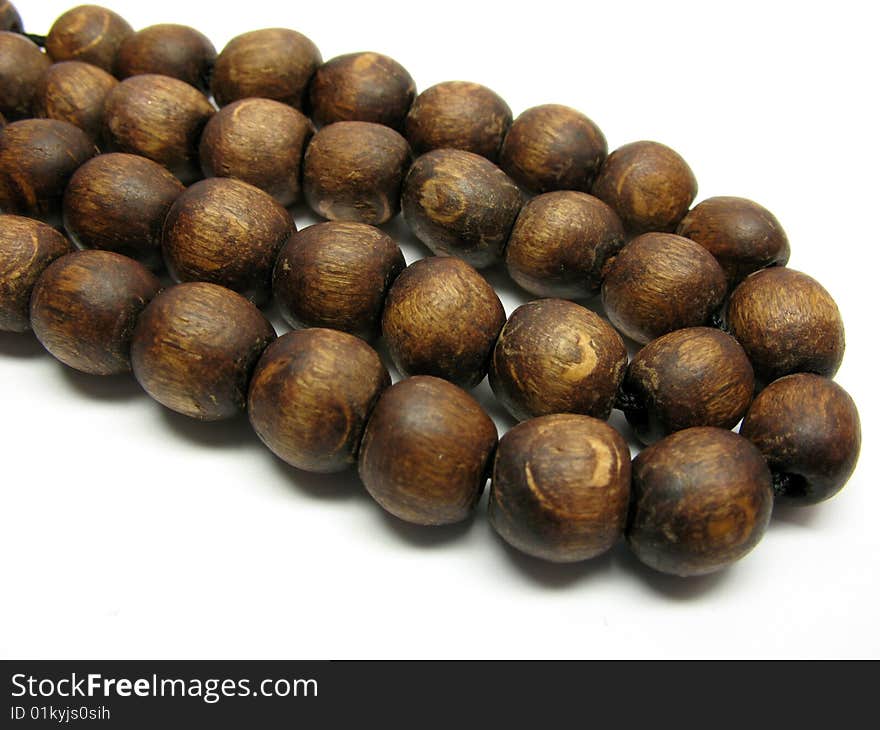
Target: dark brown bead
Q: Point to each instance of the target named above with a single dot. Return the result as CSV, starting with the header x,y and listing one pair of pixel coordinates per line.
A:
x,y
226,232
273,63
554,356
649,185
697,376
660,282
85,306
75,92
27,247
88,33
561,243
460,204
701,500
159,118
553,147
560,487
22,64
442,318
195,348
458,115
260,141
311,395
9,18
168,49
336,275
809,431
426,452
118,202
354,170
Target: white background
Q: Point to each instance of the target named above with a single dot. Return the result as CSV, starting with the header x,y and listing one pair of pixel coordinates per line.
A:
x,y
127,531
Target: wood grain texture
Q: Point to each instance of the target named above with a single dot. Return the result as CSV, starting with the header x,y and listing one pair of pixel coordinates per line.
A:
x,y
22,64
701,500
311,395
170,50
75,92
88,33
9,18
425,456
560,487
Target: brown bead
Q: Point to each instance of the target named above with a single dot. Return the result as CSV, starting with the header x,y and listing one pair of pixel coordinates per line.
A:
x,y
426,452
37,159
442,318
458,115
787,323
118,202
701,500
88,33
553,147
809,431
697,376
649,185
660,282
362,87
85,306
336,275
460,204
168,49
560,487
22,64
555,356
226,232
561,243
27,247
9,18
261,142
311,395
195,348
159,118
353,171
75,92
273,63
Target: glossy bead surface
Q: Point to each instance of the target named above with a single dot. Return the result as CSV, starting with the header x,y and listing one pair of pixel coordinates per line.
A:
x,y
75,92
170,50
22,64
88,33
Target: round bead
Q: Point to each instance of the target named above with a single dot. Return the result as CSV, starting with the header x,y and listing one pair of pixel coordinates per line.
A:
x,y
310,397
442,318
554,356
560,487
88,33
353,171
170,50
701,500
426,451
195,348
22,64
660,282
75,92
460,204
336,275
84,308
9,18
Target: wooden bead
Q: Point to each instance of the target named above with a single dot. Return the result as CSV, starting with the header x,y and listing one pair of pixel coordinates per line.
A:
x,y
553,147
554,356
561,244
426,451
195,348
336,275
560,487
88,33
458,115
9,18
84,308
786,323
27,247
460,204
159,118
22,64
118,202
649,185
37,159
74,92
362,87
261,142
353,171
808,429
170,50
697,376
274,63
442,318
311,395
226,232
660,282
701,500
